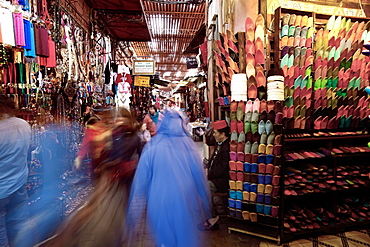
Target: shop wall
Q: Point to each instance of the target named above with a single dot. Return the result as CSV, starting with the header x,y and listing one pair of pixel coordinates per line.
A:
x,y
231,14
242,9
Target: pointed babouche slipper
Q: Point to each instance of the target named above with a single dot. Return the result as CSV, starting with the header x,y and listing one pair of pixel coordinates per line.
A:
x,y
285,19
330,24
260,20
232,46
249,24
260,79
260,58
250,59
250,47
225,40
298,21
259,44
260,33
250,70
249,34
252,91
231,36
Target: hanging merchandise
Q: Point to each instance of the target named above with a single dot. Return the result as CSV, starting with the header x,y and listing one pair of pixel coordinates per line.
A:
x,y
124,91
19,29
30,48
6,21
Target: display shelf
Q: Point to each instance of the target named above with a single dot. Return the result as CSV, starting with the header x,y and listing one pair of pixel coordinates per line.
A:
x,y
321,18
255,223
254,229
311,139
312,195
326,138
332,230
351,155
306,160
279,12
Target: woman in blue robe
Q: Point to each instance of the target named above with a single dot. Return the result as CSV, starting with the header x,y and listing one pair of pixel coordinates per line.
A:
x,y
171,185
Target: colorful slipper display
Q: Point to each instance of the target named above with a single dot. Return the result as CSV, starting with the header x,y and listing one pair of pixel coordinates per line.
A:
x,y
329,71
318,87
256,124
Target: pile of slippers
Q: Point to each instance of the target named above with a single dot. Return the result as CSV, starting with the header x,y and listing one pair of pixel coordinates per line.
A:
x,y
324,71
341,72
296,36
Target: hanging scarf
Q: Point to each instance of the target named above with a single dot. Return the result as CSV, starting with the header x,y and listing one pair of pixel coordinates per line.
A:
x,y
155,117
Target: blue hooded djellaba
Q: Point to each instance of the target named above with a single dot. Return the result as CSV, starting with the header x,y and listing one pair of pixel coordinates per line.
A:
x,y
171,184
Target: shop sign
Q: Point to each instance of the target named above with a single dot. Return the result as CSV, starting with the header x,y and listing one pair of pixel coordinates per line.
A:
x,y
191,63
143,67
142,81
313,7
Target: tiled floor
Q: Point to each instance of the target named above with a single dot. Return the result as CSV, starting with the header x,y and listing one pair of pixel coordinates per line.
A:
x,y
221,238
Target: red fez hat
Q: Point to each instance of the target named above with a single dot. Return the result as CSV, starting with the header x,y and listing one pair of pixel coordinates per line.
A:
x,y
220,124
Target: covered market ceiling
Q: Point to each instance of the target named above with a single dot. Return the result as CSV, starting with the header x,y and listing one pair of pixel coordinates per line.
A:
x,y
157,29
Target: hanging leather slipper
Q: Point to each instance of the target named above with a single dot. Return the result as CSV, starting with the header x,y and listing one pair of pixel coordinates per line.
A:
x,y
260,20
231,36
261,79
251,80
250,47
259,68
260,33
250,70
252,91
249,24
249,35
260,58
259,44
250,59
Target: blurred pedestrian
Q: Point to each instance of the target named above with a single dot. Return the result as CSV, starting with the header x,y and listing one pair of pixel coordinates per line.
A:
x,y
15,139
170,184
100,221
152,118
144,134
98,124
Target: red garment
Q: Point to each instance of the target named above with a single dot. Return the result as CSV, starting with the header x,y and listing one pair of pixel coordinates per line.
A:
x,y
127,78
42,60
150,125
206,108
51,60
125,169
41,40
90,145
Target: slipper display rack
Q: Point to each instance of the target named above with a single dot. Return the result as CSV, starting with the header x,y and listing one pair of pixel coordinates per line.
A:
x,y
313,176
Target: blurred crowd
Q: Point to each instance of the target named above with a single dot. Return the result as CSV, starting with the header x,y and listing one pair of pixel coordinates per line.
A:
x,y
150,169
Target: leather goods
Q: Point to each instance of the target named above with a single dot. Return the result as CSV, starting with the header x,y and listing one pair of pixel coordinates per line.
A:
x,y
285,19
292,19
250,59
250,70
260,20
250,47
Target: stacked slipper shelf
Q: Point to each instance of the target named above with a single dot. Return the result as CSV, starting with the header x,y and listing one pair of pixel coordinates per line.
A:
x,y
325,165
256,134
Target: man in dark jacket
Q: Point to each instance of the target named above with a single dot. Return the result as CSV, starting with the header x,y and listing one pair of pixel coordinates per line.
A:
x,y
218,169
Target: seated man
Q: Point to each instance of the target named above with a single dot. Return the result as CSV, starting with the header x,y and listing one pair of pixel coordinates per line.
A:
x,y
218,168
